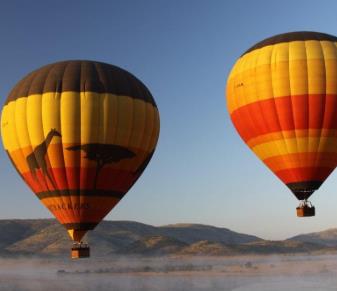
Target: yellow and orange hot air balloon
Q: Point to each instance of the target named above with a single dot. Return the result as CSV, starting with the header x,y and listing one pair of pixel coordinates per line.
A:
x,y
282,99
80,133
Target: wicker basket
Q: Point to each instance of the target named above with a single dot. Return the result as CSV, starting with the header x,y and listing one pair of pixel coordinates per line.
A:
x,y
80,252
305,211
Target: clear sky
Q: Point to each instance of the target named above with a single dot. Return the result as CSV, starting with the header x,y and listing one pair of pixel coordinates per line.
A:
x,y
183,51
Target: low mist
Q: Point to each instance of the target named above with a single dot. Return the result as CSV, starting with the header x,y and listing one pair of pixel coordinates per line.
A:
x,y
253,273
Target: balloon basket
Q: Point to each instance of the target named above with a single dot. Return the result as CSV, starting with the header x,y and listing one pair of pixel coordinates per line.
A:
x,y
80,250
305,209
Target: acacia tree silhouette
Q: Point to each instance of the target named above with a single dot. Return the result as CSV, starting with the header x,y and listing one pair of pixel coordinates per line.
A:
x,y
103,154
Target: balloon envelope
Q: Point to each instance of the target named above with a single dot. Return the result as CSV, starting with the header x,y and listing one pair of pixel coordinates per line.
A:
x,y
80,133
282,99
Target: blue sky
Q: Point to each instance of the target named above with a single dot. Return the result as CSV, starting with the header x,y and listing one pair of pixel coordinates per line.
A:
x,y
183,51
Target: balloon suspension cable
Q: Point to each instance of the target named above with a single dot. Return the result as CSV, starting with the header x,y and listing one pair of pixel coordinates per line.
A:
x,y
80,244
305,203
305,209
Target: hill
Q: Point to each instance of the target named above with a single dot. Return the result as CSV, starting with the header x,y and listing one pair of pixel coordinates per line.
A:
x,y
45,237
192,233
325,238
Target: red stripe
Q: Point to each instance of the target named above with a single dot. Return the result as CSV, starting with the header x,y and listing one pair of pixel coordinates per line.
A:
x,y
314,111
108,179
301,159
304,174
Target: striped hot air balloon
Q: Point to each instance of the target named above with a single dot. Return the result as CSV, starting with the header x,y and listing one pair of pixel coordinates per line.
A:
x,y
80,133
282,99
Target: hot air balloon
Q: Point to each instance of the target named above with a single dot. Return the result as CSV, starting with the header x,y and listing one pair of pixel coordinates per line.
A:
x,y
80,133
282,100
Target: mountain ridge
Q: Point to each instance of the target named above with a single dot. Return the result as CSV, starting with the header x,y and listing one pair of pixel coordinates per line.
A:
x,y
46,237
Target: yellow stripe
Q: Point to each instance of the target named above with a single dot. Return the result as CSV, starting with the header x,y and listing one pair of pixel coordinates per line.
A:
x,y
285,79
295,145
101,118
291,134
8,128
283,69
281,50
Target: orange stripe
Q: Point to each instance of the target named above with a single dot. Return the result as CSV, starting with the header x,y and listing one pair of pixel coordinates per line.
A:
x,y
57,157
304,174
93,209
296,160
291,134
285,114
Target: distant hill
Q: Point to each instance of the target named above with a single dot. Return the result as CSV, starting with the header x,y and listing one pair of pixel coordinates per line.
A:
x,y
325,238
192,233
46,237
154,245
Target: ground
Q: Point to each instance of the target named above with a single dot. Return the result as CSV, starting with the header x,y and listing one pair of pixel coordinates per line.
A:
x,y
300,272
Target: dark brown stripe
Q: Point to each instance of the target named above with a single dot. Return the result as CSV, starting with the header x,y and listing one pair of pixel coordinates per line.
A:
x,y
70,192
81,226
303,190
292,36
81,76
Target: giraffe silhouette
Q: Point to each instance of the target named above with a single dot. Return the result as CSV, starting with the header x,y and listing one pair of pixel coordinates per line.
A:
x,y
36,159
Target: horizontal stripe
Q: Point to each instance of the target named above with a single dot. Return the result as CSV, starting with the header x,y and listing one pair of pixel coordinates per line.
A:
x,y
260,71
61,156
249,95
305,185
297,160
76,209
296,175
81,226
295,145
71,192
77,203
279,135
292,36
81,178
283,53
79,118
284,114
303,190
81,76
281,70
